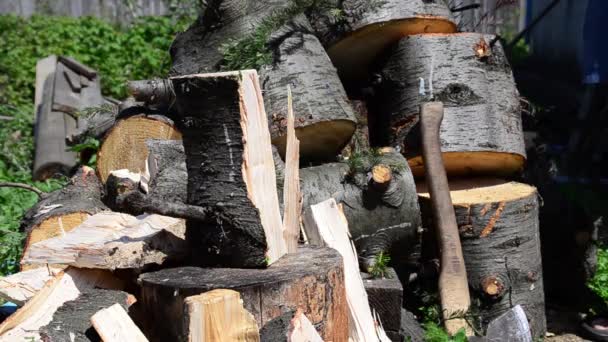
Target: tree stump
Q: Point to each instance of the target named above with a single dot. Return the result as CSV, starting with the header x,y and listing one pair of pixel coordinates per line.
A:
x,y
324,118
124,146
63,210
498,224
312,280
231,172
481,132
356,32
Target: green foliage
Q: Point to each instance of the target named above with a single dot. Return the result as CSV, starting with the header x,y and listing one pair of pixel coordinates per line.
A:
x,y
87,149
138,51
599,282
434,333
378,270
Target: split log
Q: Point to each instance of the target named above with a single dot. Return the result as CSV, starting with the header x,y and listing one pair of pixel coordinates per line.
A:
x,y
72,321
113,324
18,288
124,146
218,315
324,118
312,279
230,169
356,32
382,216
63,210
38,312
112,241
326,225
66,87
498,224
290,327
292,198
482,130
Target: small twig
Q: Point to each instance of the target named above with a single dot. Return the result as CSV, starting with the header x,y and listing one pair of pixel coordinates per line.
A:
x,y
6,118
464,8
22,186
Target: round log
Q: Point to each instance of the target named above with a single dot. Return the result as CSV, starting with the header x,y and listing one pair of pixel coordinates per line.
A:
x,y
324,118
481,132
63,210
124,146
381,217
356,32
498,224
311,280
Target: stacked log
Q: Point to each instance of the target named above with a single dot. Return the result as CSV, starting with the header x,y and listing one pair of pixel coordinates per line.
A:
x,y
498,224
481,132
357,32
124,146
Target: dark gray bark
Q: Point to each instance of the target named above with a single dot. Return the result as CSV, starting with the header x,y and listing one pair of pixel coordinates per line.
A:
x,y
312,280
360,139
82,194
380,220
277,329
385,297
482,107
214,143
356,32
324,118
72,321
501,247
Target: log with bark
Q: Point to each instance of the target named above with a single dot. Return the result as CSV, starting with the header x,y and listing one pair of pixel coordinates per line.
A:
x,y
64,209
124,146
356,32
218,315
324,118
470,74
312,279
498,225
377,191
112,241
290,327
231,172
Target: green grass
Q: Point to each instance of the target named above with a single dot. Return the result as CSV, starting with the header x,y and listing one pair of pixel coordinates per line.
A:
x,y
139,51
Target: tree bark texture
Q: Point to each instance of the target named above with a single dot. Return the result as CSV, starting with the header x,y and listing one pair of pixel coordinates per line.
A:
x,y
72,321
481,131
498,224
356,32
312,280
379,220
124,146
230,169
324,118
64,209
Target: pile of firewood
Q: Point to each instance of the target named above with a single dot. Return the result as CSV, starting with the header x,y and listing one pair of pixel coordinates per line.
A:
x,y
199,224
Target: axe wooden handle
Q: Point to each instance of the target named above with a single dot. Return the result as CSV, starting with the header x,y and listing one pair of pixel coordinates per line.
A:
x,y
453,285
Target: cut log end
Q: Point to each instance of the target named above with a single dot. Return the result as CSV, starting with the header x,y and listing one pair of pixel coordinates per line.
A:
x,y
381,175
482,190
315,139
52,227
353,54
125,145
473,163
492,286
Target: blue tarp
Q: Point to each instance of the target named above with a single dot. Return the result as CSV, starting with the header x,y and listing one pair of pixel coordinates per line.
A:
x,y
595,44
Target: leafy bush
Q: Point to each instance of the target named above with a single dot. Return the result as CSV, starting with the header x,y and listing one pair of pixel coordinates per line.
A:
x,y
434,333
599,282
138,51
